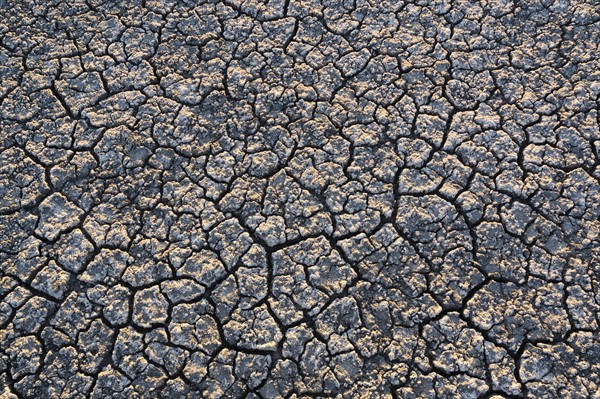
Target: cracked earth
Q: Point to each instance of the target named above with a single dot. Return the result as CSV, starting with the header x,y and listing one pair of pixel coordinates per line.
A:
x,y
299,199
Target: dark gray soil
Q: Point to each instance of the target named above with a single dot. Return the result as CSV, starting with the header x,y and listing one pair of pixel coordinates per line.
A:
x,y
299,199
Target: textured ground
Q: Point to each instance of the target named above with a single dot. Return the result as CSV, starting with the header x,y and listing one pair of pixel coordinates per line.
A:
x,y
299,199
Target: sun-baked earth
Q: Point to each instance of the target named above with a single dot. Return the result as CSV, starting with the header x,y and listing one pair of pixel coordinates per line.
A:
x,y
299,199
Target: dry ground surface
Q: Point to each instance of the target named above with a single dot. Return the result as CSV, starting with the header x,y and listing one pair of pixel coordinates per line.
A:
x,y
299,199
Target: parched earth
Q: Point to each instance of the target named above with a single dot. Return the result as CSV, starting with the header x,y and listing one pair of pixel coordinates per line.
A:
x,y
300,199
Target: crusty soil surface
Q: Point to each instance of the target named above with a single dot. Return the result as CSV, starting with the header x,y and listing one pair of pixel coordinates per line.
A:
x,y
299,199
